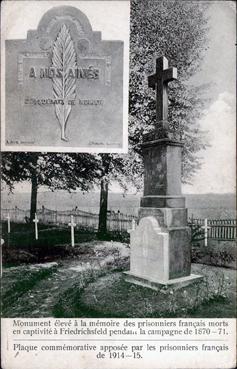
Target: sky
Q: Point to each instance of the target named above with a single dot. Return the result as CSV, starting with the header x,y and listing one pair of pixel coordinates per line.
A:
x,y
217,174
219,68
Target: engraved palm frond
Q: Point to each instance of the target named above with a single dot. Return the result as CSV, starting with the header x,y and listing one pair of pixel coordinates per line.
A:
x,y
64,86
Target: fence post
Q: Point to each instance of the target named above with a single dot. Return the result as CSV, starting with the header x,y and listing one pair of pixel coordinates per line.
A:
x,y
43,214
119,222
15,214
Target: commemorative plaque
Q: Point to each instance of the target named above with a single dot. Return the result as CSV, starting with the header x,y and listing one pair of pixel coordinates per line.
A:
x,y
64,87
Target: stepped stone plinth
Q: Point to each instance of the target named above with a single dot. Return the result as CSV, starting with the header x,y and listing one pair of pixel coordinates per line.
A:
x,y
160,245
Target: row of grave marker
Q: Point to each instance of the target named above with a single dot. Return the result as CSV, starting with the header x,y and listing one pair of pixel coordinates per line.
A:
x,y
72,224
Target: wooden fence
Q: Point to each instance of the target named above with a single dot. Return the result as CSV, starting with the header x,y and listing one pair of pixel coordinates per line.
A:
x,y
115,221
221,229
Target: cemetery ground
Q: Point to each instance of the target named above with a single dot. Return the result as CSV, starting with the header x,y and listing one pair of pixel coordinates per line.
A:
x,y
49,278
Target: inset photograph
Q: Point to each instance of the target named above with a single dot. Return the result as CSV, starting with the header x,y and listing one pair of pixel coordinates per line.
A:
x,y
65,76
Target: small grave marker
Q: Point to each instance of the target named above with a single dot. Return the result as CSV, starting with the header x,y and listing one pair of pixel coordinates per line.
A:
x,y
133,225
8,223
72,225
36,221
2,243
205,227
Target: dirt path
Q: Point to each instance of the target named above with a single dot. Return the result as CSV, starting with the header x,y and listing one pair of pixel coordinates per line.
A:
x,y
33,290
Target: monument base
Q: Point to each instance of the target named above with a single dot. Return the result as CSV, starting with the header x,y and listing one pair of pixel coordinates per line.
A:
x,y
159,253
176,283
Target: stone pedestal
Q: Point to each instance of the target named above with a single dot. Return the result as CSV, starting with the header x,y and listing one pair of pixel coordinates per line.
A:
x,y
160,245
160,255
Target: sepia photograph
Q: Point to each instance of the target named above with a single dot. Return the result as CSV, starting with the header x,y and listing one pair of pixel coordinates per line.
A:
x,y
90,231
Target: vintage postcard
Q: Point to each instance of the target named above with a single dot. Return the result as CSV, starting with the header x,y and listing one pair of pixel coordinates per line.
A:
x,y
109,259
65,76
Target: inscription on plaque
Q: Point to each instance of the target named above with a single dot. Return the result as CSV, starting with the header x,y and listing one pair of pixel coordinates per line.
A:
x,y
64,87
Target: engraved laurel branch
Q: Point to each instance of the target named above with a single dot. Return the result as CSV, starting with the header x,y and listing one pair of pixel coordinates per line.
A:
x,y
64,87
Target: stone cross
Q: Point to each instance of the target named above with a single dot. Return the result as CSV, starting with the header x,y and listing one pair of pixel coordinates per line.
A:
x,y
205,227
72,225
159,82
8,223
160,252
36,221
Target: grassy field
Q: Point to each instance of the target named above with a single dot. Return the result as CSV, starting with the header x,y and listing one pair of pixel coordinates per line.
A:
x,y
90,283
48,277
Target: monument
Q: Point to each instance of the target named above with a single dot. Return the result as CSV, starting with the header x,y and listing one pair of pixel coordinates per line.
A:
x,y
160,245
64,87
